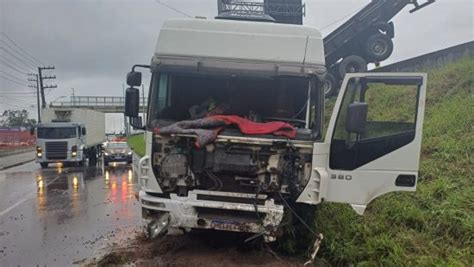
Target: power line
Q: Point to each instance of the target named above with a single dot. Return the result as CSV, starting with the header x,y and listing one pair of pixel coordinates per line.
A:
x,y
15,106
341,18
13,81
12,65
11,105
11,75
19,99
18,53
23,50
29,93
29,65
173,8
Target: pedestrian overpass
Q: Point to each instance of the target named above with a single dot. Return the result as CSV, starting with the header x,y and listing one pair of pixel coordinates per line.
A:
x,y
105,104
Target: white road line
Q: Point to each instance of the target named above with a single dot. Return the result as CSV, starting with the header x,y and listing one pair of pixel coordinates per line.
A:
x,y
27,197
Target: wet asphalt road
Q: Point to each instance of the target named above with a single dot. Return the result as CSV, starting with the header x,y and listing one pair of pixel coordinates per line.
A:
x,y
60,216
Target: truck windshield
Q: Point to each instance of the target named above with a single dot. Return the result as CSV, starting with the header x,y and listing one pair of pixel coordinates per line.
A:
x,y
178,97
56,132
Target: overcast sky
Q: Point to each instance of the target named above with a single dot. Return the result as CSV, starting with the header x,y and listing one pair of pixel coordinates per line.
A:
x,y
93,44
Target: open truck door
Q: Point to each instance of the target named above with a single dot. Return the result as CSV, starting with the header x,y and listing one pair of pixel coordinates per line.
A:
x,y
373,141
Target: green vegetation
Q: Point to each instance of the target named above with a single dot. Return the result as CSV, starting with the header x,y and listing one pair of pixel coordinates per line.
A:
x,y
137,144
435,225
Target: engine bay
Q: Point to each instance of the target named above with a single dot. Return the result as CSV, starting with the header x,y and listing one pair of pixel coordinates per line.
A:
x,y
229,166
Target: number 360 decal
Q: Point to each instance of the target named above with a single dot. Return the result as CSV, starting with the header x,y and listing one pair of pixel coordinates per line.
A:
x,y
341,177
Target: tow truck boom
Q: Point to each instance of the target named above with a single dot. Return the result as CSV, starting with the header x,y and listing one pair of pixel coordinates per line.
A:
x,y
365,38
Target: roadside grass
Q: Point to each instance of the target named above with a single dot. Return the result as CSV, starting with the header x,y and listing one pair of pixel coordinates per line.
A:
x,y
137,144
435,225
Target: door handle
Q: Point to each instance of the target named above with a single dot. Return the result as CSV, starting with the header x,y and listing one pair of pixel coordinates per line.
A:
x,y
406,180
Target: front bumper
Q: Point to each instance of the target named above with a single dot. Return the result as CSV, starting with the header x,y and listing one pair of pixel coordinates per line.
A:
x,y
223,211
118,158
69,158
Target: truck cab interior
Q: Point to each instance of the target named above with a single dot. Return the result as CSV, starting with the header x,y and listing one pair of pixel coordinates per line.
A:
x,y
182,96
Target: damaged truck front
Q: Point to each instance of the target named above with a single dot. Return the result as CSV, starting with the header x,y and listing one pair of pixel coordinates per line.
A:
x,y
234,129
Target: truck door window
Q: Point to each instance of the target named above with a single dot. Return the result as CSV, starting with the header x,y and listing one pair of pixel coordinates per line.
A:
x,y
390,124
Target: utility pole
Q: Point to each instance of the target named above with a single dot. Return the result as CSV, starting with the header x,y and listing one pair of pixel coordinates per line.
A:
x,y
42,86
36,80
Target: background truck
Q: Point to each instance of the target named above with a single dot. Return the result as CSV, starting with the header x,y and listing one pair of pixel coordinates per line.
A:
x,y
244,181
69,136
364,38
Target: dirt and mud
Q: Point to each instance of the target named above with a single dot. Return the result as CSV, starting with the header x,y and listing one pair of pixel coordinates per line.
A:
x,y
206,248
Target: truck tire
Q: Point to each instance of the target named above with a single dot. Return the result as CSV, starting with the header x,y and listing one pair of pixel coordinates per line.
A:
x,y
352,64
378,47
296,237
329,85
92,157
44,165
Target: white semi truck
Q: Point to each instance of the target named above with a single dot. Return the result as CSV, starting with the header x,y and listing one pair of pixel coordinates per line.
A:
x,y
265,72
69,136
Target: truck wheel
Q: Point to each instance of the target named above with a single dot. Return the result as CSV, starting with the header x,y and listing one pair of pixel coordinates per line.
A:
x,y
378,47
44,165
329,85
296,237
352,64
92,157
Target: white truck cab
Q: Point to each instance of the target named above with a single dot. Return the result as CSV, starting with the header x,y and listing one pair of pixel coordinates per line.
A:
x,y
69,136
266,72
59,142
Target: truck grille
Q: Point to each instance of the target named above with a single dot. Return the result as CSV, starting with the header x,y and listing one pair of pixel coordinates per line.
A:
x,y
56,150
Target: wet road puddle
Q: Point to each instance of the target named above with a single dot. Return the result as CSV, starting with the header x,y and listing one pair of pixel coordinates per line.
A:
x,y
58,216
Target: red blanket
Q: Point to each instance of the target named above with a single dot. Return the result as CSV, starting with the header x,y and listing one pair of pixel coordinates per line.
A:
x,y
250,127
208,128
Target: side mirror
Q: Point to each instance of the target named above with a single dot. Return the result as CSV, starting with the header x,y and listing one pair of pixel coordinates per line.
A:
x,y
83,131
132,102
136,122
32,130
134,78
356,118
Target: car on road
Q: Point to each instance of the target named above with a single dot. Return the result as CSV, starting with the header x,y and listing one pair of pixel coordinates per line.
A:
x,y
117,152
